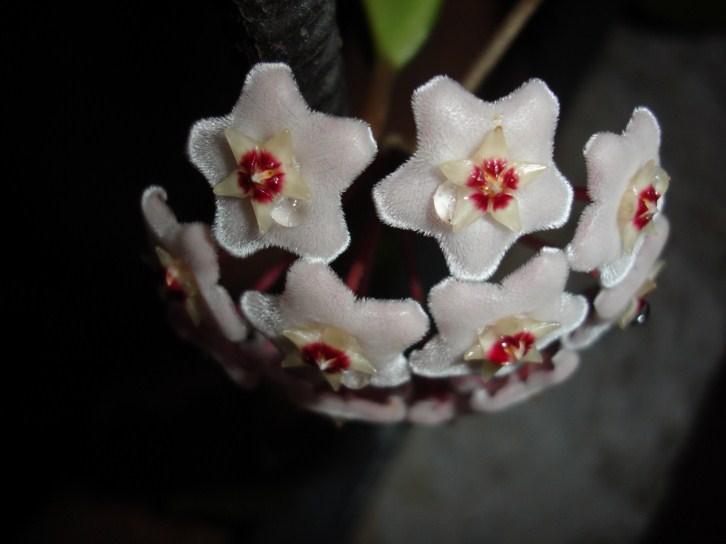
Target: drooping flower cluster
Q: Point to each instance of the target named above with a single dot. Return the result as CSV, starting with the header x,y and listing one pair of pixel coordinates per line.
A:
x,y
481,178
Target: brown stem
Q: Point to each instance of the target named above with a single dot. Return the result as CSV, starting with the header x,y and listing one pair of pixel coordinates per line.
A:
x,y
500,42
379,96
271,31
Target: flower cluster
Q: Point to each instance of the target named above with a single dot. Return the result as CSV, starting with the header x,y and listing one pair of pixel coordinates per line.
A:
x,y
481,180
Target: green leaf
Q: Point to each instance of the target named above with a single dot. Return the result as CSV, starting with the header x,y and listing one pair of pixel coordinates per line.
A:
x,y
401,27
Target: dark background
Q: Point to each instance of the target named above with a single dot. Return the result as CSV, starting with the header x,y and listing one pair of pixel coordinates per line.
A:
x,y
119,432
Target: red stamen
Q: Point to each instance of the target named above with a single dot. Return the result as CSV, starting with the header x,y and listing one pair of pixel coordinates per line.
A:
x,y
172,279
263,163
645,213
494,167
510,179
480,200
494,182
510,349
319,353
501,201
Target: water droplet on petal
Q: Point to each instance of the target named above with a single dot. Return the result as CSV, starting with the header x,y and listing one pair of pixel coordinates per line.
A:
x,y
641,318
445,201
288,212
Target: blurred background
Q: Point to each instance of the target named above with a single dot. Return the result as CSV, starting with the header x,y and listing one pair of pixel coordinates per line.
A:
x,y
121,432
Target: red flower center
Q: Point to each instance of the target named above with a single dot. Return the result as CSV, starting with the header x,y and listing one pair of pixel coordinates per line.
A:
x,y
647,207
495,183
260,175
179,280
510,349
325,357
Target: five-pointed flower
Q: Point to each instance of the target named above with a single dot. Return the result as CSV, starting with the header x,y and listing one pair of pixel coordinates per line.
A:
x,y
278,169
318,323
191,270
482,174
491,329
626,185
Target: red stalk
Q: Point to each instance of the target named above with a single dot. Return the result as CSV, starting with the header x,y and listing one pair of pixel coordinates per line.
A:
x,y
358,278
581,195
414,282
270,276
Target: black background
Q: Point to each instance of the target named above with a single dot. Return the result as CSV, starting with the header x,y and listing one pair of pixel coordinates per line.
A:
x,y
117,427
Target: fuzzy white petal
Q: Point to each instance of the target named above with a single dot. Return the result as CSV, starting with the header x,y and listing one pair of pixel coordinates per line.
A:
x,y
353,407
517,391
461,308
315,296
610,303
329,152
452,125
432,411
192,243
612,161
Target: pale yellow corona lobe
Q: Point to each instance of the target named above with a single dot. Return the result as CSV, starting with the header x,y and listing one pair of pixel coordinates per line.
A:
x,y
266,173
486,184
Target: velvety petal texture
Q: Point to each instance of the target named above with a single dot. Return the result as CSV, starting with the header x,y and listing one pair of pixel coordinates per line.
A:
x,y
433,410
620,304
586,335
316,299
461,309
517,390
614,163
454,127
611,303
189,249
353,406
322,154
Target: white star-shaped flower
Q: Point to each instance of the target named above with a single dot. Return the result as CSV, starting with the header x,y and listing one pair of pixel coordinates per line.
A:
x,y
482,175
626,185
491,329
191,270
278,169
319,324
